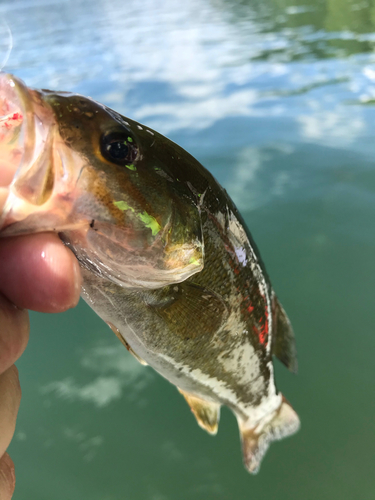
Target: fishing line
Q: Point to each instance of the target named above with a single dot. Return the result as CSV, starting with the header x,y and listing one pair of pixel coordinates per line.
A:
x,y
10,44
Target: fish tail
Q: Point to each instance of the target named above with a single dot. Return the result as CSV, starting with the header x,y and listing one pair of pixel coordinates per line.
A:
x,y
256,439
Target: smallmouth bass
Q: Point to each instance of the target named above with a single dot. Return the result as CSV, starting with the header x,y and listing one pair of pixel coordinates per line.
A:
x,y
167,260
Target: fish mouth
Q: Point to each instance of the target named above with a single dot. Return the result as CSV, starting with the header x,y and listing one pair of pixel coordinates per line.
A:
x,y
16,128
26,137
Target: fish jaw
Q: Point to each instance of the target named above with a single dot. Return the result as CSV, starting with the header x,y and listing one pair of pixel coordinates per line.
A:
x,y
16,128
41,192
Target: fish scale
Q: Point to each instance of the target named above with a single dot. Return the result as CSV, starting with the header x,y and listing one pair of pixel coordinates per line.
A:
x,y
167,260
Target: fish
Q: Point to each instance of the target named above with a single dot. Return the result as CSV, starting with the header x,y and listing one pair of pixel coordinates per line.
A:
x,y
166,258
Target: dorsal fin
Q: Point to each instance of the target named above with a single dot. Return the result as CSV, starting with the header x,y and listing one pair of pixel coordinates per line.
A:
x,y
206,412
283,342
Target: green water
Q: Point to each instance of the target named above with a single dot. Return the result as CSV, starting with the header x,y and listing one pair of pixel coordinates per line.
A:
x,y
276,98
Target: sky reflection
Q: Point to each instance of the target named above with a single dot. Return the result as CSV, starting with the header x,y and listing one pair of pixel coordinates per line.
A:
x,y
276,98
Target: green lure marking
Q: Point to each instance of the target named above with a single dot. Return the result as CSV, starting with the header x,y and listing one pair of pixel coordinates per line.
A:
x,y
131,167
194,261
122,205
147,219
150,222
130,139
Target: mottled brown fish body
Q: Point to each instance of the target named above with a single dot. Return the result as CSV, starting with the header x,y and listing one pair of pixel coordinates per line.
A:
x,y
166,258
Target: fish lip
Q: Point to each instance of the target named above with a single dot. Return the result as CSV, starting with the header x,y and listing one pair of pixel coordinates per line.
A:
x,y
10,88
15,99
22,143
14,126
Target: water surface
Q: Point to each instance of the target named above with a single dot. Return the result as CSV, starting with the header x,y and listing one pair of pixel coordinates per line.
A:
x,y
276,98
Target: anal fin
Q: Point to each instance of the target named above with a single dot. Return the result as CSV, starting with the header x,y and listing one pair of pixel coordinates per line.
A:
x,y
256,440
116,331
206,412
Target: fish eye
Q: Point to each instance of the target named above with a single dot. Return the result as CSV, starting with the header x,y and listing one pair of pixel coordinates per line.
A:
x,y
118,148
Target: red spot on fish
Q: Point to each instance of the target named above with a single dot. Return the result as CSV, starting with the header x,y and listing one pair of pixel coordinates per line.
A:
x,y
261,331
262,337
263,334
250,308
16,116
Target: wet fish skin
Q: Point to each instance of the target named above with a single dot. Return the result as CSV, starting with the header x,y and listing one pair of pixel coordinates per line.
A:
x,y
193,299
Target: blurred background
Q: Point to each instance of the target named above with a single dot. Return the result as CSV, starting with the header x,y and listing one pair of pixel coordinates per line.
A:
x,y
277,99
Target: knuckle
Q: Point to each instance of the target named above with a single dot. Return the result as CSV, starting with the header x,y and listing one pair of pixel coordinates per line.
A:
x,y
10,396
14,333
7,477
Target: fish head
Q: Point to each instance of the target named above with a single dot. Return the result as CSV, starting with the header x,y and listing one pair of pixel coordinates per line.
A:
x,y
103,182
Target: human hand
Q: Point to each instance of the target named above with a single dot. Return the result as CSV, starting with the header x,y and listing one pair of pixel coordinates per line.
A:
x,y
36,272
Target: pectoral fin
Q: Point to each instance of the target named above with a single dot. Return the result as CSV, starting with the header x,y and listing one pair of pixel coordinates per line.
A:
x,y
116,331
256,440
284,344
206,413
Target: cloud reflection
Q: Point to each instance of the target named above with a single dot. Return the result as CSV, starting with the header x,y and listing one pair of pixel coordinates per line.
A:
x,y
117,373
87,445
192,66
331,124
256,179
